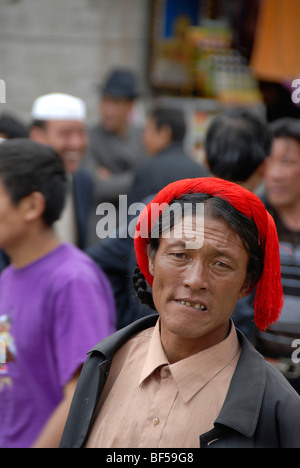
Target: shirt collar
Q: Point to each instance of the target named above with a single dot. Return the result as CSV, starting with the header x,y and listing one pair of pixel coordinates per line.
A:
x,y
155,357
208,363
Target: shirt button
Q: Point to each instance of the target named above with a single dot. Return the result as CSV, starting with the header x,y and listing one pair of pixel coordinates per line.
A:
x,y
155,421
165,372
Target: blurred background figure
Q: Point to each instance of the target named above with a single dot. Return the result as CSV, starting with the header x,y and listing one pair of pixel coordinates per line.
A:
x,y
164,141
57,302
11,127
236,146
282,184
58,120
115,143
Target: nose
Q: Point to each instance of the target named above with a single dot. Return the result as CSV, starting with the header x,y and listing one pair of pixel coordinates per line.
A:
x,y
196,276
273,171
78,141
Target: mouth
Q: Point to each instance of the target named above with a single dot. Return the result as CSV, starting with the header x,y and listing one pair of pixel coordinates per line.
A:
x,y
276,189
72,156
193,304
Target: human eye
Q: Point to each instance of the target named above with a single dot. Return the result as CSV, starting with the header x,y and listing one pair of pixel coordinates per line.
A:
x,y
221,265
288,160
179,254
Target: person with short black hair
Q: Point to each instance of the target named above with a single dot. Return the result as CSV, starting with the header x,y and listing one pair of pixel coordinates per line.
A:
x,y
282,199
54,301
237,143
11,127
164,141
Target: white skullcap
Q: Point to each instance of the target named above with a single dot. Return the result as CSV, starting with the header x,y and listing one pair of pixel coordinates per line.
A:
x,y
2,139
58,106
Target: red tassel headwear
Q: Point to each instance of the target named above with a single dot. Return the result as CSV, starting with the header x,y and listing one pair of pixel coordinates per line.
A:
x,y
269,295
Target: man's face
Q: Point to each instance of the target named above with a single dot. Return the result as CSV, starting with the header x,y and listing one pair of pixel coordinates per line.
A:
x,y
282,174
115,113
68,138
155,139
195,290
12,223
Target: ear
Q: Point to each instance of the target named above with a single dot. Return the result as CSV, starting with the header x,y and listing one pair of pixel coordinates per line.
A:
x,y
38,134
245,290
261,169
166,134
205,161
33,206
151,260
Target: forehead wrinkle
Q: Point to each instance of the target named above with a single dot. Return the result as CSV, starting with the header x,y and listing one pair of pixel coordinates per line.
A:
x,y
211,237
222,240
221,233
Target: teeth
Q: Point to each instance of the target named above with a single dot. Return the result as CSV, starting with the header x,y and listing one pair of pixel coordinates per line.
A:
x,y
195,306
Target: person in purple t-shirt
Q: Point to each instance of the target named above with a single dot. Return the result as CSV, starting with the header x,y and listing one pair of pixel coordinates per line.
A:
x,y
55,302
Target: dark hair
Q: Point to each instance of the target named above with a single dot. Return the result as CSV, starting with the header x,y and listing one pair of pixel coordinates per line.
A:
x,y
217,208
286,128
39,123
237,142
27,166
172,117
11,127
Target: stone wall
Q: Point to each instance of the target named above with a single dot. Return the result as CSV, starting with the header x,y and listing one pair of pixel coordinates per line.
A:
x,y
68,46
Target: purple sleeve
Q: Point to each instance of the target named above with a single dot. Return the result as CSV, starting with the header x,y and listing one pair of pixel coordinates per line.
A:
x,y
84,315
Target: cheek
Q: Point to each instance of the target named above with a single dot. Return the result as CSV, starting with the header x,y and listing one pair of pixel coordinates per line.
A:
x,y
84,141
164,283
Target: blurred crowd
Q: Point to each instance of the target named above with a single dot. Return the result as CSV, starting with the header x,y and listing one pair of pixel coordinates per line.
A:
x,y
62,288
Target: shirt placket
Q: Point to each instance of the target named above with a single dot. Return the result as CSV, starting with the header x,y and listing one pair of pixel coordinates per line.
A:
x,y
160,407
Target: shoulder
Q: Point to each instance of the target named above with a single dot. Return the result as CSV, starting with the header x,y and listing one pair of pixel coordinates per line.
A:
x,y
73,264
7,271
109,345
279,388
95,131
135,133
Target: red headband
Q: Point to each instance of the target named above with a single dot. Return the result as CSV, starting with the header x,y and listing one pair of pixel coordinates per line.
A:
x,y
269,296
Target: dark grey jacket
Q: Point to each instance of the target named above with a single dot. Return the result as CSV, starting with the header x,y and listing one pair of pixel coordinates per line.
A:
x,y
261,409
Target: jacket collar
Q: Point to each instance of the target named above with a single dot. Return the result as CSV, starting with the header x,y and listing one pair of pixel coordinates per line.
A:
x,y
243,403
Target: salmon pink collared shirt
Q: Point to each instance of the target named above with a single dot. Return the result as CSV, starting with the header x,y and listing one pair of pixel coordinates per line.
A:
x,y
149,403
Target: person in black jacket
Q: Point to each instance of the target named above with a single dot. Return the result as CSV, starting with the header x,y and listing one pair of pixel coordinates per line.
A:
x,y
187,378
164,141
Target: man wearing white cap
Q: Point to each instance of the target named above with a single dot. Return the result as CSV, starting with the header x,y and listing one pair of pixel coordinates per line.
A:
x,y
58,120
